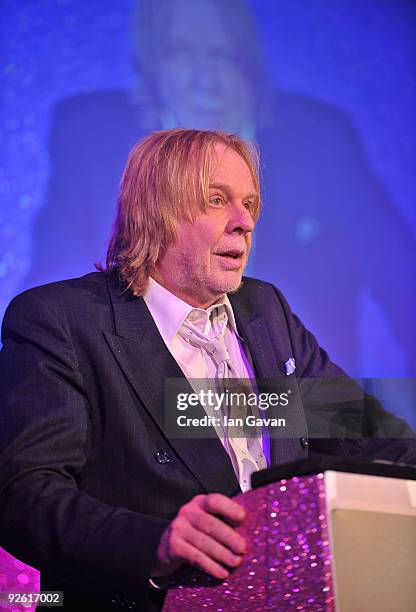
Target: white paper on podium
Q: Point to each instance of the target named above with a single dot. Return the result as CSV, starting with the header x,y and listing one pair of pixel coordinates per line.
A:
x,y
372,527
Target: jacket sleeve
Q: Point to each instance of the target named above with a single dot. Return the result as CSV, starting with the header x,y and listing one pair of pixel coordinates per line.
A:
x,y
46,520
349,418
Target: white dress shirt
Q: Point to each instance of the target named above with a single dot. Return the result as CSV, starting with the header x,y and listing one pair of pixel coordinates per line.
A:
x,y
169,313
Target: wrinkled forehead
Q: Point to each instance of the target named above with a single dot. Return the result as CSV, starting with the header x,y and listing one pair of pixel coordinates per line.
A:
x,y
230,173
222,157
225,159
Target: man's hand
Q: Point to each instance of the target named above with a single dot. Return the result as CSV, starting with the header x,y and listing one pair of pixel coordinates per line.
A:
x,y
199,536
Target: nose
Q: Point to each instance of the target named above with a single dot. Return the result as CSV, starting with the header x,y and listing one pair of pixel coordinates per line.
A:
x,y
204,76
240,219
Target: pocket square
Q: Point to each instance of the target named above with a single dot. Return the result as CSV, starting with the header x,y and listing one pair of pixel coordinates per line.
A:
x,y
290,366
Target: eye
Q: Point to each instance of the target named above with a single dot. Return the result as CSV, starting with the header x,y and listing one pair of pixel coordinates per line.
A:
x,y
249,205
217,201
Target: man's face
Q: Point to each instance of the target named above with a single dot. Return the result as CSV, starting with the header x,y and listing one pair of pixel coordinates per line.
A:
x,y
210,254
200,80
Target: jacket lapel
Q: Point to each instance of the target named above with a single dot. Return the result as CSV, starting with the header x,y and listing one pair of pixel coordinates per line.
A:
x,y
269,364
253,329
147,363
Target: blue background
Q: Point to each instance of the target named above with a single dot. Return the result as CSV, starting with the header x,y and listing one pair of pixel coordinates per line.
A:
x,y
340,78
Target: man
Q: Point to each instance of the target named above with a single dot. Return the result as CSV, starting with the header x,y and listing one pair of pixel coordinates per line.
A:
x,y
92,491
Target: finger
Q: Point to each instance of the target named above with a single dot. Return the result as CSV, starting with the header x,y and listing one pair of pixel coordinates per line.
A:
x,y
192,555
212,548
217,530
220,504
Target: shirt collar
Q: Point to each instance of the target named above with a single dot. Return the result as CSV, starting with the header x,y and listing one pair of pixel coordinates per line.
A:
x,y
169,311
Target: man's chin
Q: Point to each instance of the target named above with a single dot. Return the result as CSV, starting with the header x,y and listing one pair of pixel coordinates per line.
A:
x,y
237,288
230,284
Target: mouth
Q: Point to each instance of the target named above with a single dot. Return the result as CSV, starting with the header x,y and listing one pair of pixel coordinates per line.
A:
x,y
231,253
232,258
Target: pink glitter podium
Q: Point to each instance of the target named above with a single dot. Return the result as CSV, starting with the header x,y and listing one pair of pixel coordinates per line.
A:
x,y
315,543
16,577
324,535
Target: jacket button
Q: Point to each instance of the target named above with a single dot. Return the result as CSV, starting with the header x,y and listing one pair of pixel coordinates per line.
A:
x,y
304,442
162,457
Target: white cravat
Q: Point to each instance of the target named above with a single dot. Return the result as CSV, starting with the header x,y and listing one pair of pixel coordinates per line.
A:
x,y
214,345
174,319
245,452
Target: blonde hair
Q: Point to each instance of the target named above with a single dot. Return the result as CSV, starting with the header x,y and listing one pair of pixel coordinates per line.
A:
x,y
166,179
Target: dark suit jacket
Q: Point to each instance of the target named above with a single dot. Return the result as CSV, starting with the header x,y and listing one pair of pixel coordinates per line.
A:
x,y
83,497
